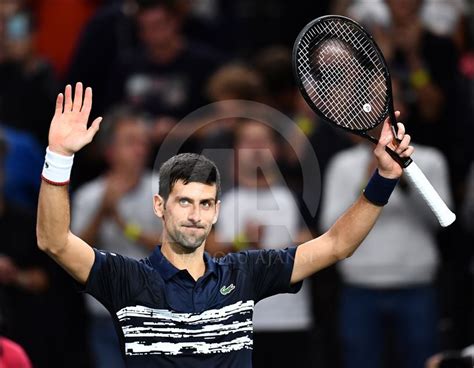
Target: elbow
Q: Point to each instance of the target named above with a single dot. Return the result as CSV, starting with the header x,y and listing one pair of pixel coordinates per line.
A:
x,y
340,248
41,239
49,244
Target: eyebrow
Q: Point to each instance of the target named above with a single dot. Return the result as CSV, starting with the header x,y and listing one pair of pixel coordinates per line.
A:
x,y
192,201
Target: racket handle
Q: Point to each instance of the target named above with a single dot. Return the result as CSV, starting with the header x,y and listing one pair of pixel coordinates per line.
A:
x,y
429,194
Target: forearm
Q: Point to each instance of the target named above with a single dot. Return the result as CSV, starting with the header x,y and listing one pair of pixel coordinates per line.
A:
x,y
53,220
339,242
352,227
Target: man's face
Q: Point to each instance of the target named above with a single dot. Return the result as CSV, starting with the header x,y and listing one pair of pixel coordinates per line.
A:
x,y
255,146
157,26
130,146
188,214
403,11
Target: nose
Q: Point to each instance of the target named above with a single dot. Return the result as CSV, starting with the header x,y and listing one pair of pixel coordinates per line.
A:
x,y
194,215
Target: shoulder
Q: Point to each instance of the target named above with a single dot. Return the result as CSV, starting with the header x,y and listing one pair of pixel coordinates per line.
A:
x,y
129,266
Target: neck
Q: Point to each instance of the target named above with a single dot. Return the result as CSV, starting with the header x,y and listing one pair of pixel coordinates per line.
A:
x,y
193,262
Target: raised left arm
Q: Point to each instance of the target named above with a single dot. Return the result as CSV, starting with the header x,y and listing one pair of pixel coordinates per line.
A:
x,y
343,238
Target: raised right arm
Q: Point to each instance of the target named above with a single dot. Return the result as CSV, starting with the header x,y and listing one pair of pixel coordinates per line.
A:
x,y
68,134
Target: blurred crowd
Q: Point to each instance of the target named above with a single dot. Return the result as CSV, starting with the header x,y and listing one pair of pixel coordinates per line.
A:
x,y
407,293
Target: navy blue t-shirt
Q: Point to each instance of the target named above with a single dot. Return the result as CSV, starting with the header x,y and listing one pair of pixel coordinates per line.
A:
x,y
164,318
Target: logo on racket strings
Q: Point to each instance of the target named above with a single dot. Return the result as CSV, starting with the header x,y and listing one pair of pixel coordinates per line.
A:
x,y
367,108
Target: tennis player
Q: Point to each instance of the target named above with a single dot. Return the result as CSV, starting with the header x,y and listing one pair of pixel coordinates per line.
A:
x,y
180,307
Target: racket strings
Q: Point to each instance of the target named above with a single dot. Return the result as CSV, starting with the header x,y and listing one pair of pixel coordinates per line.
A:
x,y
343,75
347,107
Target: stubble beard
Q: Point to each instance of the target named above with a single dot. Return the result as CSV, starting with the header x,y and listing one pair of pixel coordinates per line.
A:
x,y
186,242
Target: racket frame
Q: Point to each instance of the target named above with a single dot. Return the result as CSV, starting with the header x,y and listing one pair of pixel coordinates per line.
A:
x,y
389,111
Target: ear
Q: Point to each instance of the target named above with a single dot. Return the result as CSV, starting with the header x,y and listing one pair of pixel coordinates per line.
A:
x,y
159,205
216,215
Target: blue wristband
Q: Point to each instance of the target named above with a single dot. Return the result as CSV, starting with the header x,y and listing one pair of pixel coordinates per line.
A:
x,y
379,189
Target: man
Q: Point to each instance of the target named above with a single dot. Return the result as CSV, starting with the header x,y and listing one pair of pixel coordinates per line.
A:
x,y
392,278
114,212
180,307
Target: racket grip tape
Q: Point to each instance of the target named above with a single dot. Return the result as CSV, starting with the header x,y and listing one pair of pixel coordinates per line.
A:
x,y
416,177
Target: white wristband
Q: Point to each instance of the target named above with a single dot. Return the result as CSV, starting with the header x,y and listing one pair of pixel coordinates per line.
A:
x,y
57,168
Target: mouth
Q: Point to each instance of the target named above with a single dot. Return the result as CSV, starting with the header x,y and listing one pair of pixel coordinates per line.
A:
x,y
193,227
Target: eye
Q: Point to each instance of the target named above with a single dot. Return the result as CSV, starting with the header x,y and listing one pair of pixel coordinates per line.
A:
x,y
183,201
206,204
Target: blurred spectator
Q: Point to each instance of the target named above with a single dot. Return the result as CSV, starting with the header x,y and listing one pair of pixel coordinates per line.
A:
x,y
25,77
107,37
262,213
209,22
389,281
27,279
166,75
230,86
114,213
233,83
275,65
442,17
23,164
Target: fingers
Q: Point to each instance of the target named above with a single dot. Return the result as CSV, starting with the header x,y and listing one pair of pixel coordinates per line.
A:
x,y
59,105
388,133
402,146
87,105
77,103
68,98
404,143
408,152
386,136
400,130
94,128
403,149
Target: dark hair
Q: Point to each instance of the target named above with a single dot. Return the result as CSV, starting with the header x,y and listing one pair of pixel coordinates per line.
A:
x,y
188,167
238,80
143,5
274,65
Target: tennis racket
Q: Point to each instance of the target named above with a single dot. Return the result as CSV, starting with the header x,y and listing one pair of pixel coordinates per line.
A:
x,y
344,78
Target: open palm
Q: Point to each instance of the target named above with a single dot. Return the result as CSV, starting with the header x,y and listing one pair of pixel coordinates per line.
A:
x,y
68,132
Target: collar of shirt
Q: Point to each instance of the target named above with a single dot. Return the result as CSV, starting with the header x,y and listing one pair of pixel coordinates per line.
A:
x,y
167,270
